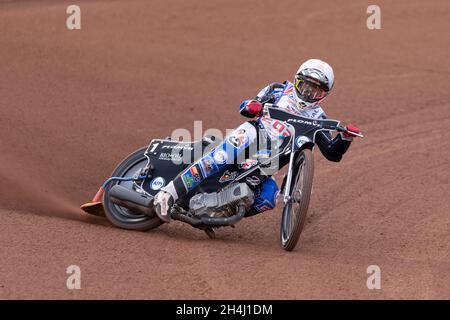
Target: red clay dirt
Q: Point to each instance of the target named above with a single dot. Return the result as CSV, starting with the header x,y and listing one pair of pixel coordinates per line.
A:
x,y
74,103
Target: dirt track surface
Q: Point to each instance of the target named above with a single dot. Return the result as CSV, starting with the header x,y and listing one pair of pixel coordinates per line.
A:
x,y
74,103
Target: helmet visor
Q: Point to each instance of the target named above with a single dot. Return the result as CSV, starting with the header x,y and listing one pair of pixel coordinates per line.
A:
x,y
309,91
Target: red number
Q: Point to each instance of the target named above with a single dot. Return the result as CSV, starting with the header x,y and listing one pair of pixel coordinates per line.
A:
x,y
277,125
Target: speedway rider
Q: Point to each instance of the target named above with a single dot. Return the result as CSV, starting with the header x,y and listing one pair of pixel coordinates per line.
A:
x,y
312,84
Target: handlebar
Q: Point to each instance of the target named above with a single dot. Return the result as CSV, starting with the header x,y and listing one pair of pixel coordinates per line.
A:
x,y
266,112
344,129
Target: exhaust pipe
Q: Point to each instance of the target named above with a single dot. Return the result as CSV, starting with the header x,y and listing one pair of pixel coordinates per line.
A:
x,y
132,200
224,221
211,221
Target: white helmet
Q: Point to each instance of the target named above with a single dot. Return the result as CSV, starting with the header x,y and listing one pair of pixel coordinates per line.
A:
x,y
313,82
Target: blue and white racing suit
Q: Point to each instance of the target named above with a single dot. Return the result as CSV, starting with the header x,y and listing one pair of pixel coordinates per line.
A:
x,y
248,134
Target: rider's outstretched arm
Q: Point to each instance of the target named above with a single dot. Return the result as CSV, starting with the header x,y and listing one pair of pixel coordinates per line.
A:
x,y
332,149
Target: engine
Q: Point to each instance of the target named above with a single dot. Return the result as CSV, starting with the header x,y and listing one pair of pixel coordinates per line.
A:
x,y
223,203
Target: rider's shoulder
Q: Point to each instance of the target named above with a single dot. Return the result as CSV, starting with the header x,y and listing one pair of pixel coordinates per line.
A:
x,y
273,88
276,86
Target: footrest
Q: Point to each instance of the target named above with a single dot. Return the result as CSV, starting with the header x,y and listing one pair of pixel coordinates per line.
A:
x,y
94,208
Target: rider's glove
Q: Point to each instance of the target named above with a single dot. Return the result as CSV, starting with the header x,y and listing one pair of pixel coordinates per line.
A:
x,y
348,135
254,108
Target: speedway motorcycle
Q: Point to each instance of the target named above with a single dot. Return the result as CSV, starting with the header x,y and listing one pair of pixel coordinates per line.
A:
x,y
126,198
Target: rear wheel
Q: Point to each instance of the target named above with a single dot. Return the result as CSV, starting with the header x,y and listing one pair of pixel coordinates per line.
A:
x,y
295,211
120,216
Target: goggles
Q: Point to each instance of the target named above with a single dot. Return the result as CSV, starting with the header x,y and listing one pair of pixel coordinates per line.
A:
x,y
309,90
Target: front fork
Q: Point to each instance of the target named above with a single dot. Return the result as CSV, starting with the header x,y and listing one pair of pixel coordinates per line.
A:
x,y
287,187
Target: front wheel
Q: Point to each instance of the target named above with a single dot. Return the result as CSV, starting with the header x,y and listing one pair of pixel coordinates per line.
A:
x,y
120,216
295,211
